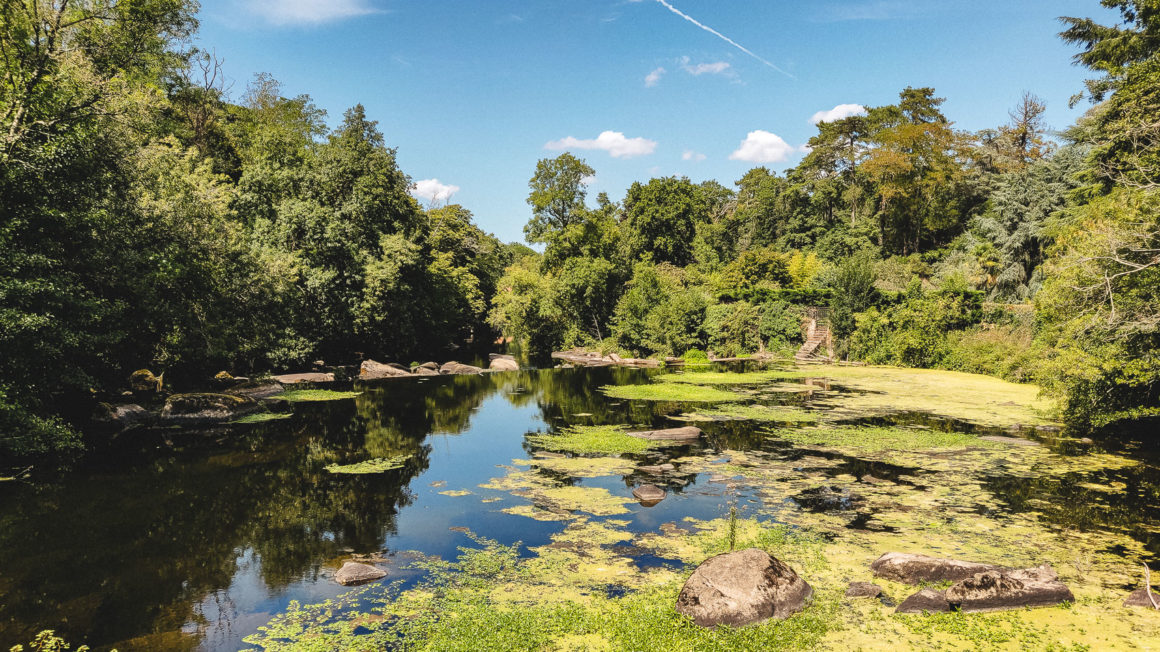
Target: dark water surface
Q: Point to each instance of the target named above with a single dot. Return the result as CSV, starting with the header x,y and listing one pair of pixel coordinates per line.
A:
x,y
193,539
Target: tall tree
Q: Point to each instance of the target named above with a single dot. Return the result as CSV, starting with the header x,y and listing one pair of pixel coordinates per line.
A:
x,y
558,189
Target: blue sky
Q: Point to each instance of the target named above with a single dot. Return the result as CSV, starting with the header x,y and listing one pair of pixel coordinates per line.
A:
x,y
473,93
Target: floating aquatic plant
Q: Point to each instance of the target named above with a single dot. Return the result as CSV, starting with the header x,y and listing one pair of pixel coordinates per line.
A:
x,y
377,465
301,395
589,440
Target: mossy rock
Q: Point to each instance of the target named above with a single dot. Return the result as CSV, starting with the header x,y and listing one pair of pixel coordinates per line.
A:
x,y
143,380
206,407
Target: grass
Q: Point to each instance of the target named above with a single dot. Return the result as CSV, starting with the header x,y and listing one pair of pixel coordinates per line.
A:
x,y
675,392
591,440
377,465
875,439
778,413
304,395
732,377
262,417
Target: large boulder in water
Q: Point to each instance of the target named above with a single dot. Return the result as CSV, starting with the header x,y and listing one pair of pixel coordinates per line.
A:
x,y
311,377
456,368
914,569
504,363
257,389
925,601
424,371
993,590
353,573
742,588
198,408
371,370
1009,589
125,415
649,494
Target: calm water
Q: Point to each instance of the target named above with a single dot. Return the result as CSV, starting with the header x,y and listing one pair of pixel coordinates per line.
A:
x,y
191,540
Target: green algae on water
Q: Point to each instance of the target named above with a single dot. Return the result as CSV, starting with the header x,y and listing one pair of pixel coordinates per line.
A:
x,y
378,465
583,440
675,392
303,395
262,417
732,377
778,413
877,439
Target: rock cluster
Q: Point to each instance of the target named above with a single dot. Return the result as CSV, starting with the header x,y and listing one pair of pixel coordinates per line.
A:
x,y
580,358
976,587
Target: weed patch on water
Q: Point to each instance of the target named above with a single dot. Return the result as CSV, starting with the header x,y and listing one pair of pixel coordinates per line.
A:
x,y
778,413
674,392
378,465
591,440
262,417
303,395
582,467
456,608
878,439
983,400
732,377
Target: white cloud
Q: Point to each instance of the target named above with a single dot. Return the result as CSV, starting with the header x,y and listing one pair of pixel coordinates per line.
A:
x,y
612,142
837,113
715,68
653,77
433,190
309,12
690,155
762,147
588,180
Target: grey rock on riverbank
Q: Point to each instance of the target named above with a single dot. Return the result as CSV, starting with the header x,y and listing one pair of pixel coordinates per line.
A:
x,y
742,588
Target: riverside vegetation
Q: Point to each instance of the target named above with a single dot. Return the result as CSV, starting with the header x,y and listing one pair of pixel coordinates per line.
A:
x,y
151,220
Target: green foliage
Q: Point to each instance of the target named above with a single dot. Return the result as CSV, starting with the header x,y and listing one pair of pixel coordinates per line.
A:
x,y
1098,307
659,312
48,641
733,328
694,357
854,292
661,218
781,325
914,333
557,195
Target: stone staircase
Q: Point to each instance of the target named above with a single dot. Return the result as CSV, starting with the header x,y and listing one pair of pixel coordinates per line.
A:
x,y
819,345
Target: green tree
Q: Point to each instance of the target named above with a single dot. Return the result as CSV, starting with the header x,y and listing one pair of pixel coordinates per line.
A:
x,y
558,189
660,219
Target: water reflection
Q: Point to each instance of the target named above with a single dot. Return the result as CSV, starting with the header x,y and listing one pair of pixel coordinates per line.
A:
x,y
196,542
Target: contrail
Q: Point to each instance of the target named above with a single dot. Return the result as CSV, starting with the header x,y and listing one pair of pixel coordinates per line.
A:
x,y
721,36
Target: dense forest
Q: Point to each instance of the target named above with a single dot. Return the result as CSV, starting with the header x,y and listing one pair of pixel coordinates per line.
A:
x,y
151,220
